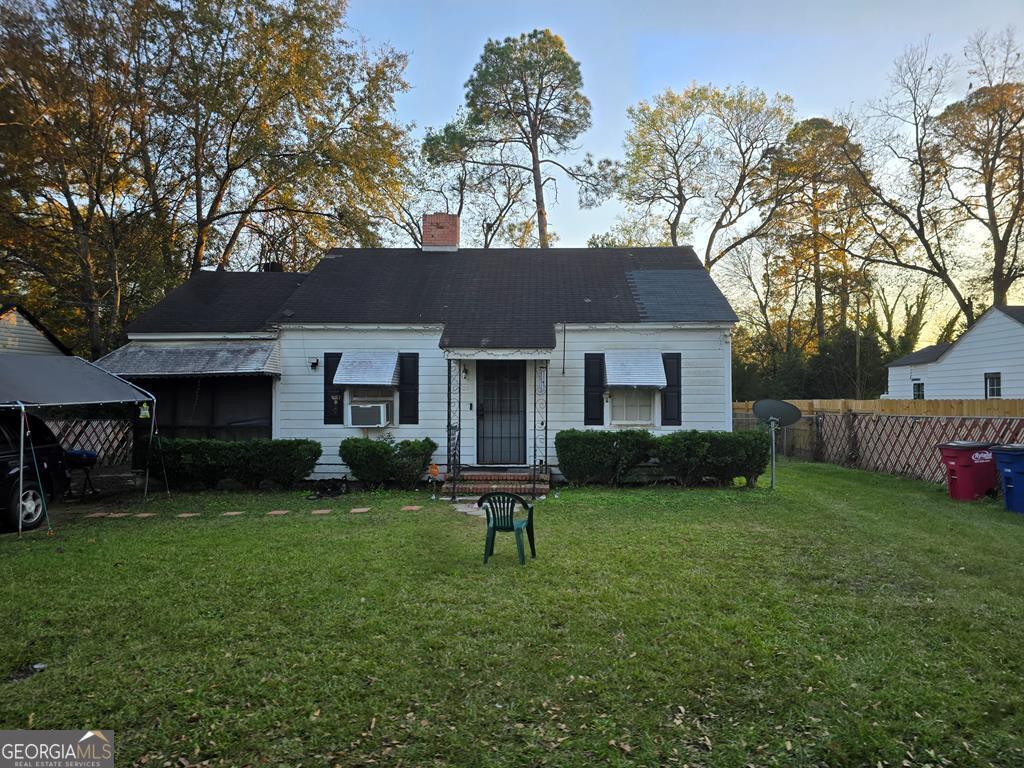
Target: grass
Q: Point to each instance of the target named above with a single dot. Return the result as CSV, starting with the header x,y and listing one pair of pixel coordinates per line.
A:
x,y
844,619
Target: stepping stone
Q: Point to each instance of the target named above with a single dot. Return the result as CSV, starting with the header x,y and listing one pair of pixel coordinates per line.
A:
x,y
146,514
278,512
119,514
189,514
230,514
470,509
321,511
359,510
411,508
97,514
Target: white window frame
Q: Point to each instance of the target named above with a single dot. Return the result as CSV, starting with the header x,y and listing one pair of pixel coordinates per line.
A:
x,y
913,390
609,409
993,377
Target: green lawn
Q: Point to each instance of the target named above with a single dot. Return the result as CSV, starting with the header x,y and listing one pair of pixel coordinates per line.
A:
x,y
844,619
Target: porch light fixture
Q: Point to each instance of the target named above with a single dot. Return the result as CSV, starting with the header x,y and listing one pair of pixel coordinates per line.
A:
x,y
314,363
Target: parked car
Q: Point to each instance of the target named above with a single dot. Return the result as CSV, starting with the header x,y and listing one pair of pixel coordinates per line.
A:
x,y
52,477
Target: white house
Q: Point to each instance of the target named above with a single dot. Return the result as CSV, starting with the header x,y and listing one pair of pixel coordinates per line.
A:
x,y
488,352
21,333
986,362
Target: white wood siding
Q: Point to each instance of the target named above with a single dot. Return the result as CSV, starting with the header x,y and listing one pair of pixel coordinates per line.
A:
x,y
995,344
298,407
17,334
901,381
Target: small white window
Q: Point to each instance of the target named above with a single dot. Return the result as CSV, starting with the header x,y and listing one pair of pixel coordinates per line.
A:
x,y
632,406
993,386
919,390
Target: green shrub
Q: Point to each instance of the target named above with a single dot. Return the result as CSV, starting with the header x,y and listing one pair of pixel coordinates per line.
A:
x,y
412,457
377,463
692,457
371,461
601,456
204,463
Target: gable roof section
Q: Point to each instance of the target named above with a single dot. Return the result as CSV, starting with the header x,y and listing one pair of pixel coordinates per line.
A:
x,y
5,308
220,302
1016,312
495,298
922,356
932,353
508,298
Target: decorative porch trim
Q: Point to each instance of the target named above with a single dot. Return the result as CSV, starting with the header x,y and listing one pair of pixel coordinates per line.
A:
x,y
481,353
454,425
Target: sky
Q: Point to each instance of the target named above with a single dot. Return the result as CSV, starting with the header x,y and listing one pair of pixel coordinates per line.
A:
x,y
829,56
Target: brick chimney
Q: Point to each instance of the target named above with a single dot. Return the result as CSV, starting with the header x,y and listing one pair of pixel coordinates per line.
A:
x,y
440,232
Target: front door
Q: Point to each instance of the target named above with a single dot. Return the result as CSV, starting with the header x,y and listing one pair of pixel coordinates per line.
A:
x,y
501,412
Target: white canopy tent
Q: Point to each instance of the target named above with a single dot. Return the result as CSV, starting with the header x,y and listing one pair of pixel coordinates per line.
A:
x,y
50,382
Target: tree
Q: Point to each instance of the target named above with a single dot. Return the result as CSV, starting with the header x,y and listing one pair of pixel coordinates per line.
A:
x,y
741,193
668,148
76,222
635,230
145,140
819,214
901,168
525,95
474,179
983,151
275,112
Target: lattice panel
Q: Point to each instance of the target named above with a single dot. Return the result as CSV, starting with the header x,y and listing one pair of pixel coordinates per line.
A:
x,y
895,445
907,445
111,440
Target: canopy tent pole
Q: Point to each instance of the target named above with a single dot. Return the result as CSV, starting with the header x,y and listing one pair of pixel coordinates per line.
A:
x,y
21,464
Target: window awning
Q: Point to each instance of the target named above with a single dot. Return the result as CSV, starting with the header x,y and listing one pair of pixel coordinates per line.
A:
x,y
222,358
634,368
367,368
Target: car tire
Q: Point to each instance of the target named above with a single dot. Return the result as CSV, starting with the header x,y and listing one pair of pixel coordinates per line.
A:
x,y
32,495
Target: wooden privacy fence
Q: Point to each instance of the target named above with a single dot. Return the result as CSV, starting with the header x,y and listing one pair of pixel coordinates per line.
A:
x,y
898,437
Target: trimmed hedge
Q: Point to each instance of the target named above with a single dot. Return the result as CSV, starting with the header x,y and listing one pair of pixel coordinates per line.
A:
x,y
694,457
199,462
601,456
377,463
691,457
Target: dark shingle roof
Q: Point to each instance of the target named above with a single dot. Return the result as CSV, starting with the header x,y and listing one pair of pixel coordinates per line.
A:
x,y
508,298
1016,312
924,355
220,302
499,298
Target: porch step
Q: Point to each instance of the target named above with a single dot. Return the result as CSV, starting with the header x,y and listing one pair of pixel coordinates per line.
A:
x,y
483,476
524,488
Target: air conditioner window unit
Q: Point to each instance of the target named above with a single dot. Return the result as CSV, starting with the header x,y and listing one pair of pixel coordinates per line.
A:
x,y
366,414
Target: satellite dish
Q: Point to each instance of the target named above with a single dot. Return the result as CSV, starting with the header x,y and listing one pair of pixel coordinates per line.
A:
x,y
777,413
784,414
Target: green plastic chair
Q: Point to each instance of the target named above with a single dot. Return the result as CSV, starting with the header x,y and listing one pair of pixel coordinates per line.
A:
x,y
501,516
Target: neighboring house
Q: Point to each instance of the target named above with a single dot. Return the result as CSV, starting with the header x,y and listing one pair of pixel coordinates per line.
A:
x,y
986,362
21,333
488,352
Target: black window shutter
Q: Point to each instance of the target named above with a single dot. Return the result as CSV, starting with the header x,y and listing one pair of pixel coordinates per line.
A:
x,y
334,394
593,389
408,388
672,394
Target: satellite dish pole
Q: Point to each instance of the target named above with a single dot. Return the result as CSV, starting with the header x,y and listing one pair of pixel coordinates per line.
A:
x,y
776,413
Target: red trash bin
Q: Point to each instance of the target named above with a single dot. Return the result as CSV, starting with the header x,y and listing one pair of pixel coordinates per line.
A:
x,y
970,469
